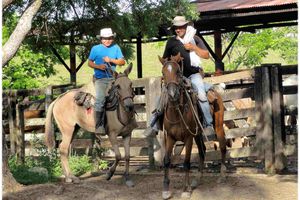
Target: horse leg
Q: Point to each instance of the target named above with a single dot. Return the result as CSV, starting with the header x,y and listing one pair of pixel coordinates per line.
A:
x,y
166,194
67,133
114,143
187,166
219,119
201,151
126,141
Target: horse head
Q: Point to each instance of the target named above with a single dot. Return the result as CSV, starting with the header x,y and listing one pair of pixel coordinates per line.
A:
x,y
172,75
124,88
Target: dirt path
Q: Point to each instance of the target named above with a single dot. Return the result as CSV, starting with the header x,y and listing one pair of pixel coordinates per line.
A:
x,y
149,185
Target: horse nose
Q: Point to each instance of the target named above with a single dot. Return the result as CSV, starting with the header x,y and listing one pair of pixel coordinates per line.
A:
x,y
129,104
173,93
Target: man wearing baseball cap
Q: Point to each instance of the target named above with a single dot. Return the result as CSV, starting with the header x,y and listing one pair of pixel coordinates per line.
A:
x,y
191,48
102,57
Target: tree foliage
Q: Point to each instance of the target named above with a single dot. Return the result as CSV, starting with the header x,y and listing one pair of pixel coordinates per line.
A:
x,y
250,48
60,23
30,62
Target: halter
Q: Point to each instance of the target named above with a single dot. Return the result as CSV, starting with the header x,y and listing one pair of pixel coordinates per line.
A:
x,y
177,84
126,97
121,101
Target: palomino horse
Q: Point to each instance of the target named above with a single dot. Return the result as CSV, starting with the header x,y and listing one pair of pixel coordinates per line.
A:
x,y
180,124
120,122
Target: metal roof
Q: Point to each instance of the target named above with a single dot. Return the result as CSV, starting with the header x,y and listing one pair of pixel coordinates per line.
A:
x,y
245,15
214,5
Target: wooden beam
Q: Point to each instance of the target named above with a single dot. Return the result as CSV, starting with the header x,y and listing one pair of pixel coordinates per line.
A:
x,y
80,65
278,118
230,77
219,65
268,136
73,64
59,58
231,43
139,57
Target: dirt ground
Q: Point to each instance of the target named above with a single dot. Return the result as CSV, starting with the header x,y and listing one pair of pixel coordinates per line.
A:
x,y
148,186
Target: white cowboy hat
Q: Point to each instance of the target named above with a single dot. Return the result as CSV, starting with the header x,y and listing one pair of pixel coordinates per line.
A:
x,y
179,21
106,32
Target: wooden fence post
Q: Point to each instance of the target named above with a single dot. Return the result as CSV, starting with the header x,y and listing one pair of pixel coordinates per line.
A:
x,y
12,122
258,113
20,137
153,90
268,136
48,97
278,117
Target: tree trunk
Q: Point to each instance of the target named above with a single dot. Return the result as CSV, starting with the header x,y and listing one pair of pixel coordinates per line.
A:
x,y
9,182
24,25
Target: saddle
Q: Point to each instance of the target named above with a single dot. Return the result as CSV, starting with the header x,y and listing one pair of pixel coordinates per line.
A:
x,y
87,100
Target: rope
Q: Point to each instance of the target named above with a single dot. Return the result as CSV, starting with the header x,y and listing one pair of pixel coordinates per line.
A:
x,y
195,114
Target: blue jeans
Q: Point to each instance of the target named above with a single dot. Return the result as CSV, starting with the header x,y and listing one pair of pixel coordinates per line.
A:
x,y
100,89
201,88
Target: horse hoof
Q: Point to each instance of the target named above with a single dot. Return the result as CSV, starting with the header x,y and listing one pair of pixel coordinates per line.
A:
x,y
186,195
129,183
68,180
108,176
194,184
166,194
72,179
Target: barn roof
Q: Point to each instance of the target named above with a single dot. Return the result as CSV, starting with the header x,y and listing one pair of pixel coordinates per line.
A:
x,y
247,15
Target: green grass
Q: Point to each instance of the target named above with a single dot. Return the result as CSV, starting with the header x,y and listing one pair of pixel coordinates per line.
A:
x,y
150,62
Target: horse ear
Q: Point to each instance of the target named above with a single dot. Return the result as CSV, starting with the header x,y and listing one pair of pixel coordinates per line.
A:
x,y
162,61
128,69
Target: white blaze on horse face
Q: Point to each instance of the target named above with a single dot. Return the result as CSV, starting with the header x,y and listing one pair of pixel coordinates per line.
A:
x,y
170,68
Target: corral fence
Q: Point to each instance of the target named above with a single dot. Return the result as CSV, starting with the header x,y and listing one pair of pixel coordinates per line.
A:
x,y
261,120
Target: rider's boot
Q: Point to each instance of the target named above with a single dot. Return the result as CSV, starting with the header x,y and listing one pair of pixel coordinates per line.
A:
x,y
153,129
99,128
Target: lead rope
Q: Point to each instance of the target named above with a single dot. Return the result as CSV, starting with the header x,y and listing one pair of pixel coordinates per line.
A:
x,y
192,106
195,114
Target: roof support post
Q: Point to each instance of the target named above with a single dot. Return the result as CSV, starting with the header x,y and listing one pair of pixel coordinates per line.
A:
x,y
73,62
139,56
219,65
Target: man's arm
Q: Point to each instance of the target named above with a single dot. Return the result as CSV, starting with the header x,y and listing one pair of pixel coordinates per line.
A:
x,y
203,53
93,65
119,61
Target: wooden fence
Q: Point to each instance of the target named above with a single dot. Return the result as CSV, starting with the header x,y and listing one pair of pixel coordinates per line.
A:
x,y
261,86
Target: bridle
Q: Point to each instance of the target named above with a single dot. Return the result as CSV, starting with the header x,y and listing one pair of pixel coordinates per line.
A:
x,y
179,84
118,94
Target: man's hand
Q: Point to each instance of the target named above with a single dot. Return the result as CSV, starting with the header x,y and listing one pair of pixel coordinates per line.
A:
x,y
102,67
189,47
107,59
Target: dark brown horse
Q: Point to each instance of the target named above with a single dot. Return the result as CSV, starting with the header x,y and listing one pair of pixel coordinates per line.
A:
x,y
120,122
180,124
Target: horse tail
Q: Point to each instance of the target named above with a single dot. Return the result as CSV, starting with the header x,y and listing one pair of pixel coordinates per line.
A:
x,y
49,129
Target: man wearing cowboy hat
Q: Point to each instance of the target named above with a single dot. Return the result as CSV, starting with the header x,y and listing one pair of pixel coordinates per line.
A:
x,y
102,57
191,48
